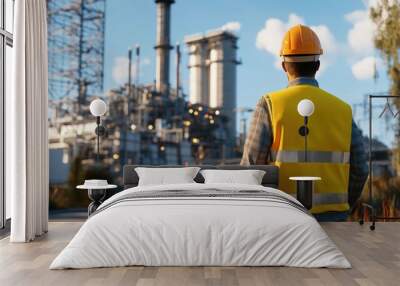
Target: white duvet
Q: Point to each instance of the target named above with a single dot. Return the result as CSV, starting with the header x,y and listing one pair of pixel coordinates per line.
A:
x,y
200,231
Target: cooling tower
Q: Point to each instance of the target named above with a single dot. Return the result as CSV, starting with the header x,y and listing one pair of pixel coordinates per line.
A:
x,y
198,70
212,73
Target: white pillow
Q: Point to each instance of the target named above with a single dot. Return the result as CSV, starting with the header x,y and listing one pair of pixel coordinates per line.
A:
x,y
164,176
248,177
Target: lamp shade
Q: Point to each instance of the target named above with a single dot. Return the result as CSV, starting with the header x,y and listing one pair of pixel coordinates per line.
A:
x,y
305,107
98,107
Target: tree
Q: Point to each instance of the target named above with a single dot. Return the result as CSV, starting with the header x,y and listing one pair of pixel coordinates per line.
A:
x,y
386,16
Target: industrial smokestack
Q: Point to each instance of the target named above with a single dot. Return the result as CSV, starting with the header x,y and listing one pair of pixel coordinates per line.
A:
x,y
163,46
137,75
178,69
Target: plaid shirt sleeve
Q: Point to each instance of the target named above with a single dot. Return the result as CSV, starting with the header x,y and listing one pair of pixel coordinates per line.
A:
x,y
358,165
259,139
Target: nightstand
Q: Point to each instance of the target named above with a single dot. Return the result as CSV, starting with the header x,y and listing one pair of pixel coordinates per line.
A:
x,y
305,189
96,192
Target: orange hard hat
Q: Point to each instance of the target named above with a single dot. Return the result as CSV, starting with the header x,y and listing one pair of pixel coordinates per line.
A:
x,y
300,40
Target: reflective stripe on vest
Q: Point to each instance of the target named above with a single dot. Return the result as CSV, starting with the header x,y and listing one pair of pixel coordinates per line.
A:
x,y
312,157
328,198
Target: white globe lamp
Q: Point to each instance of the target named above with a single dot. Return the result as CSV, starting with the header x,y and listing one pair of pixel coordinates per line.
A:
x,y
98,108
305,108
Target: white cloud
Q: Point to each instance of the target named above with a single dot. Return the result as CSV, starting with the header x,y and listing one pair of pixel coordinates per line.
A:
x,y
358,49
365,68
360,43
231,27
328,41
360,36
120,69
269,38
329,45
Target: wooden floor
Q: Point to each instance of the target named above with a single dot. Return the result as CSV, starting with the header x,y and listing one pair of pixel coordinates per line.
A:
x,y
375,257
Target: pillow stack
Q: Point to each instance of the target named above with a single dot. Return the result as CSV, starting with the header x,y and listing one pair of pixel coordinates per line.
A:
x,y
248,177
186,175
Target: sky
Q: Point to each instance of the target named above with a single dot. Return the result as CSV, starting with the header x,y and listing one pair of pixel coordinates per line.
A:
x,y
343,26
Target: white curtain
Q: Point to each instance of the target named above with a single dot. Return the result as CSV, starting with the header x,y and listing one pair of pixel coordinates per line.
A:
x,y
26,120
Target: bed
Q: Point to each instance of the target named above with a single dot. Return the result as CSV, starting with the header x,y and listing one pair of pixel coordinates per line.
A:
x,y
198,224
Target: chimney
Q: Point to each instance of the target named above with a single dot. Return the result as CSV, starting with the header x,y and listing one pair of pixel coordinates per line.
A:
x,y
163,45
178,70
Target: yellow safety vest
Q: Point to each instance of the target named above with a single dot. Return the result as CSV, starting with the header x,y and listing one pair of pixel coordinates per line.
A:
x,y
329,142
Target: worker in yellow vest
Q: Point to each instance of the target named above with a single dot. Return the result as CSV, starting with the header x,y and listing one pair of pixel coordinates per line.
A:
x,y
336,151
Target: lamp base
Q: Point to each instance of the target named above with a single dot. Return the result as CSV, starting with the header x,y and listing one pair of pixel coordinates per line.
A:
x,y
96,196
305,191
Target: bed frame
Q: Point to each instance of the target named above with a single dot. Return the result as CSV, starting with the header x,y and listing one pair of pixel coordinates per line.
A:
x,y
270,179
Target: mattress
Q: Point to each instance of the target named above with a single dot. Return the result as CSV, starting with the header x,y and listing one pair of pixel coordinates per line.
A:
x,y
201,225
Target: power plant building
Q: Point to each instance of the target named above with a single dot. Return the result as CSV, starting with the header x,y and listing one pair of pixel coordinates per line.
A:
x,y
153,123
212,73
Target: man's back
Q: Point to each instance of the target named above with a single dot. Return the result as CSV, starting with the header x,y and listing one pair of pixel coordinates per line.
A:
x,y
283,104
258,147
328,144
274,132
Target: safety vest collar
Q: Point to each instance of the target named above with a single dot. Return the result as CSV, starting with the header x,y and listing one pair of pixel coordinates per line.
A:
x,y
335,157
303,80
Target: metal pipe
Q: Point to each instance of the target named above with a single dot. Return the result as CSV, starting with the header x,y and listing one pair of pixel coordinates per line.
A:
x,y
129,82
137,66
163,46
305,139
178,66
98,139
128,111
